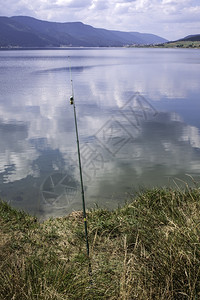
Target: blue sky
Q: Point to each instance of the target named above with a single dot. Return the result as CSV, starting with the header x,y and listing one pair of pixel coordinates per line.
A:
x,y
171,19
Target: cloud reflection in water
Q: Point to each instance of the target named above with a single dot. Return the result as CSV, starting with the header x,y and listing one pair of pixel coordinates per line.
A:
x,y
37,126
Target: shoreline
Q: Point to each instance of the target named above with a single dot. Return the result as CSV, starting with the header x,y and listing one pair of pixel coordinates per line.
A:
x,y
168,45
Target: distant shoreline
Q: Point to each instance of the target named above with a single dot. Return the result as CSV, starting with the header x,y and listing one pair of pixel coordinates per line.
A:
x,y
168,45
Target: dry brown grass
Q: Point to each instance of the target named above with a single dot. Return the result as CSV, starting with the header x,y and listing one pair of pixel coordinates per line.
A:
x,y
148,249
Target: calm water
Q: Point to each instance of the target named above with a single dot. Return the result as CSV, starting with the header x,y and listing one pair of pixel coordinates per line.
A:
x,y
138,117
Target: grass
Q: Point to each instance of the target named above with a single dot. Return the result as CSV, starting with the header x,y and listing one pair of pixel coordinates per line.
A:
x,y
147,249
176,44
180,44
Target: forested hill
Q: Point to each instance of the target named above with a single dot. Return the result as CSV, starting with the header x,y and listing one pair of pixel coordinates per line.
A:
x,y
22,31
192,38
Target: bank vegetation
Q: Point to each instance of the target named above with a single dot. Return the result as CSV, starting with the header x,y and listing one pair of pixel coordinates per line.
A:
x,y
147,249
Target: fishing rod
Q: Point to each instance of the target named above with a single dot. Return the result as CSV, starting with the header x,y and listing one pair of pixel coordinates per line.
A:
x,y
72,102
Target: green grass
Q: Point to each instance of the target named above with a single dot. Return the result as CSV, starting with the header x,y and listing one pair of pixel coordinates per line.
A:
x,y
176,44
180,44
147,249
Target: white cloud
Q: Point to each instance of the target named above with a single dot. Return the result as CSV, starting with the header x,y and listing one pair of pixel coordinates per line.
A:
x,y
172,19
99,5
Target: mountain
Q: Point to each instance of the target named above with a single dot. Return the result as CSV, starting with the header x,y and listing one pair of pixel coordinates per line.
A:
x,y
22,31
192,38
190,41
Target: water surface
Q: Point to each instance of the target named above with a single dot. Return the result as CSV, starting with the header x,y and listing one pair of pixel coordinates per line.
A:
x,y
138,118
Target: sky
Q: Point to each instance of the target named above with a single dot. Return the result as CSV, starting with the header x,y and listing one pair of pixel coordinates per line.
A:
x,y
171,19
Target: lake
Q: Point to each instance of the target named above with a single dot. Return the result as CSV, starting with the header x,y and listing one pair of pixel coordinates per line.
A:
x,y
138,119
